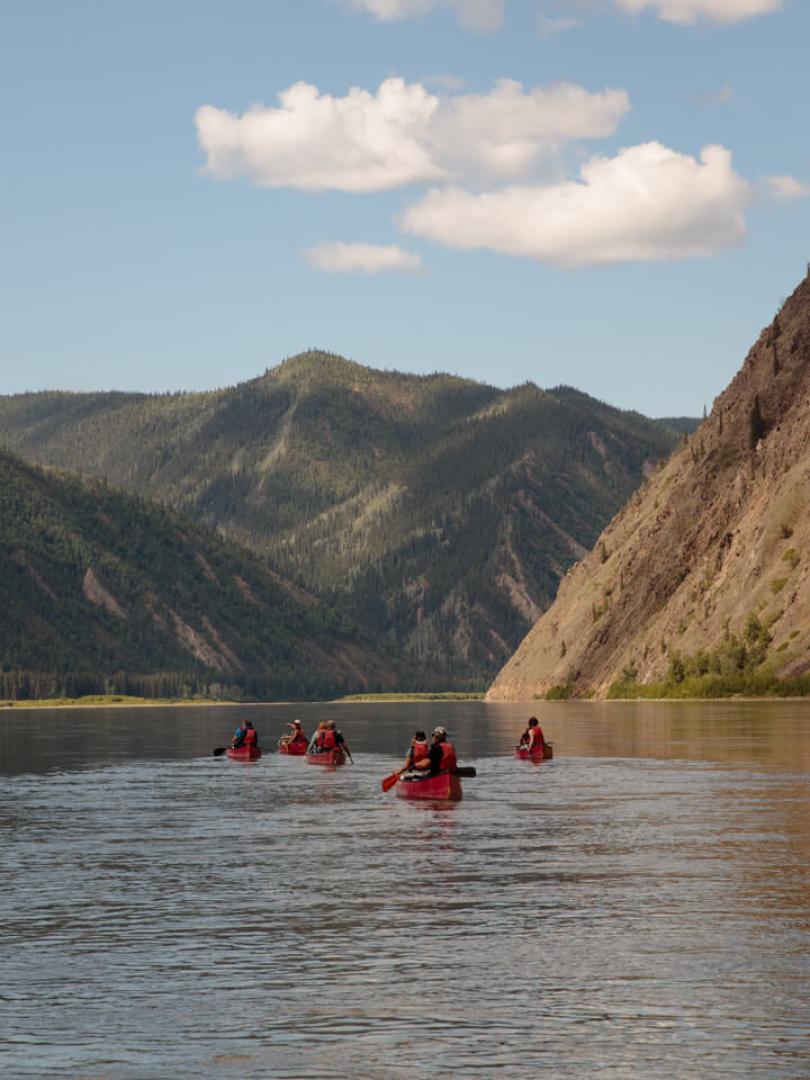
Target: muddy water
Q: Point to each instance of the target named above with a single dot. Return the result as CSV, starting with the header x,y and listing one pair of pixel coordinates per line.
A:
x,y
642,903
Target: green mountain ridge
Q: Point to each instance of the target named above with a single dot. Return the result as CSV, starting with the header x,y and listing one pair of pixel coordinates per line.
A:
x,y
103,592
438,513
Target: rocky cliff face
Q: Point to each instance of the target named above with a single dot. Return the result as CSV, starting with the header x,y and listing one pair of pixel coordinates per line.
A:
x,y
716,542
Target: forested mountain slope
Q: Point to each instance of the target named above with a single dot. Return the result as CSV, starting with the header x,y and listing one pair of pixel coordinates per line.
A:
x,y
437,512
702,583
103,592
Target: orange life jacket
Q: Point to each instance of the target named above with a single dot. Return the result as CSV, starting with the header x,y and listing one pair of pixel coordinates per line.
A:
x,y
251,737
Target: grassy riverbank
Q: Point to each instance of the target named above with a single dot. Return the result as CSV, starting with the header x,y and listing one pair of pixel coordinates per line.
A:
x,y
449,695
106,701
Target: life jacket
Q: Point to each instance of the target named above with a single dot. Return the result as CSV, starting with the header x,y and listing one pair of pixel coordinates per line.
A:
x,y
448,762
419,751
539,741
298,737
251,737
326,739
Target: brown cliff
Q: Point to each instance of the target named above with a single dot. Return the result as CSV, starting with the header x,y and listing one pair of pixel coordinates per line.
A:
x,y
720,535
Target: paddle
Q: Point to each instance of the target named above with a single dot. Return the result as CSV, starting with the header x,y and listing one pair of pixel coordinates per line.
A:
x,y
389,781
461,770
348,753
220,750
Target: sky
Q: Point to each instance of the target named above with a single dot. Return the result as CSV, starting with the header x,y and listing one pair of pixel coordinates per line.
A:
x,y
610,194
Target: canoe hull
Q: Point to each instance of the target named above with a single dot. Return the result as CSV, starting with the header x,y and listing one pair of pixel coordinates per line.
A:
x,y
330,759
544,753
443,786
244,753
296,749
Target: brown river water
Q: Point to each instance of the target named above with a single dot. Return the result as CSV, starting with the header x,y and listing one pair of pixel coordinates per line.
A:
x,y
639,906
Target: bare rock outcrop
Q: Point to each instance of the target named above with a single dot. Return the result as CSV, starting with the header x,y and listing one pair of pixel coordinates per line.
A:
x,y
719,534
101,597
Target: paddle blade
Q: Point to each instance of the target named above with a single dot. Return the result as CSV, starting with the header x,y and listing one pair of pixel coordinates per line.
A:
x,y
465,770
220,750
389,781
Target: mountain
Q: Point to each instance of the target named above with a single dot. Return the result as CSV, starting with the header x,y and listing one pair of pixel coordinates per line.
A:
x,y
436,512
701,584
102,592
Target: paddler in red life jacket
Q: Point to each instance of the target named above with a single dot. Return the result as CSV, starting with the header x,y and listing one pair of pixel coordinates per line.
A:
x,y
533,735
417,751
296,733
251,738
441,755
335,737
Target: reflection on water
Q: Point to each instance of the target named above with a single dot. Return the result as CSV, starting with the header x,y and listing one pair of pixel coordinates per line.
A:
x,y
641,903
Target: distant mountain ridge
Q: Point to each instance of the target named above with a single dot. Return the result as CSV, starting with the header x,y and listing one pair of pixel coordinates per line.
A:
x,y
701,584
103,592
436,512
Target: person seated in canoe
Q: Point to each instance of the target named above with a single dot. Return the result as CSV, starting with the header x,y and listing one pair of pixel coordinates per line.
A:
x,y
340,742
532,738
441,755
239,736
417,751
326,739
318,740
296,734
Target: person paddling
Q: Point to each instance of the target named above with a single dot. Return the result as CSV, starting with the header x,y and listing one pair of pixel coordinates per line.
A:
x,y
239,736
296,734
441,755
339,741
533,737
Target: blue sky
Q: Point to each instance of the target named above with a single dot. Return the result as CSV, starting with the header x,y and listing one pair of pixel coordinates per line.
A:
x,y
512,191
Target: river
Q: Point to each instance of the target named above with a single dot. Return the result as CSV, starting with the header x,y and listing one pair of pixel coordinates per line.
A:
x,y
641,904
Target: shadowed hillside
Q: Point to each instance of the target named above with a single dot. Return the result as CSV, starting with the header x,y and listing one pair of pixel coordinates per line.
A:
x,y
102,592
438,513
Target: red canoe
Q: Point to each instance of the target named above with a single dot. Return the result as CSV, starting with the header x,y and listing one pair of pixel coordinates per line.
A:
x,y
297,746
443,785
328,758
244,753
544,752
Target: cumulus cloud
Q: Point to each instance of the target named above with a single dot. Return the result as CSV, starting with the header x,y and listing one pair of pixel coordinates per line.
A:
x,y
484,15
688,12
361,142
646,203
505,132
337,257
401,134
785,188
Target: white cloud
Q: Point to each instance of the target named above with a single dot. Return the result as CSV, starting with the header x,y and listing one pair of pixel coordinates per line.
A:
x,y
484,15
504,133
401,134
340,258
646,203
361,142
549,25
784,188
688,12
